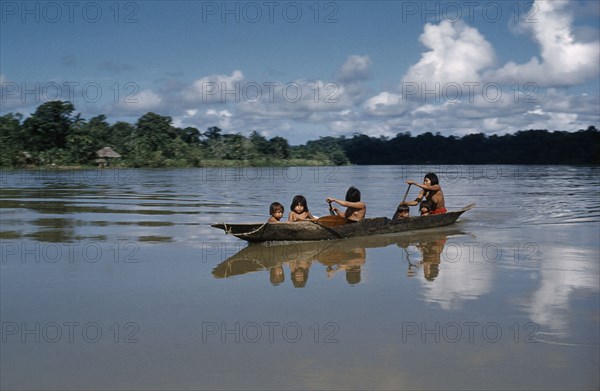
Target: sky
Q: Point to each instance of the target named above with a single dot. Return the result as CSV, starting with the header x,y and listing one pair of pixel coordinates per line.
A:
x,y
307,69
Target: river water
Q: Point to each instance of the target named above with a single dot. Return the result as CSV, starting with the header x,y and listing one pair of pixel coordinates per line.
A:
x,y
115,280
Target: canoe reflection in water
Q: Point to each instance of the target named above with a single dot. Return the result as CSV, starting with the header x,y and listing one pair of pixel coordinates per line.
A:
x,y
422,250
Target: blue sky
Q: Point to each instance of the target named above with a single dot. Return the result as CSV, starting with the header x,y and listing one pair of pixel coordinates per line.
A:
x,y
304,69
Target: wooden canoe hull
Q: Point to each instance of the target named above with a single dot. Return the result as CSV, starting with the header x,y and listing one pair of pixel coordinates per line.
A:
x,y
306,230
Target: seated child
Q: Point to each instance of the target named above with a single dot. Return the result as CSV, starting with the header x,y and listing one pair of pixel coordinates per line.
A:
x,y
355,209
276,212
425,208
299,210
402,212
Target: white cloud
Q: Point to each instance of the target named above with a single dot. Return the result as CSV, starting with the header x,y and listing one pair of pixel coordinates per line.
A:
x,y
215,88
356,68
454,89
149,100
222,117
458,53
144,101
385,104
565,59
300,100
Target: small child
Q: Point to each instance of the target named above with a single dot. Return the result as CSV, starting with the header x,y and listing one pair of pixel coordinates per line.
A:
x,y
276,212
425,208
402,212
299,210
355,209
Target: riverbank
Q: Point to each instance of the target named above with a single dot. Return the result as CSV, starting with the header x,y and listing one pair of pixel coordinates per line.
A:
x,y
208,163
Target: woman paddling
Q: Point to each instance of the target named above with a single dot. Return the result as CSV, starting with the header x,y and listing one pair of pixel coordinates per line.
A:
x,y
430,191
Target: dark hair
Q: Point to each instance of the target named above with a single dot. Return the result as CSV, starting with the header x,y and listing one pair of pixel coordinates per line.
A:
x,y
299,283
299,199
275,278
425,204
275,206
353,194
401,209
433,178
353,275
431,271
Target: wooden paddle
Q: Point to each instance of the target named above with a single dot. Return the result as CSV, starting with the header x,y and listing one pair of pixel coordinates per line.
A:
x,y
331,221
331,212
406,194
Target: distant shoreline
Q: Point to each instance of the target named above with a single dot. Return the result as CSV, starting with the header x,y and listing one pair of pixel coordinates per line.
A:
x,y
237,164
55,137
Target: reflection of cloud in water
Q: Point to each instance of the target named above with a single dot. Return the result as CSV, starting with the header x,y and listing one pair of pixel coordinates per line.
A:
x,y
460,278
564,271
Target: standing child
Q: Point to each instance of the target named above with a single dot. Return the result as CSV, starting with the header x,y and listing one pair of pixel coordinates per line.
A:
x,y
299,210
276,212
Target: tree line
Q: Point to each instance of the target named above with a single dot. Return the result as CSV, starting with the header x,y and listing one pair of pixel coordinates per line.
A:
x,y
54,135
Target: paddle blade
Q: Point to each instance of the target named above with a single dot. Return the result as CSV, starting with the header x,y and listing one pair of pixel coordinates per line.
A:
x,y
331,221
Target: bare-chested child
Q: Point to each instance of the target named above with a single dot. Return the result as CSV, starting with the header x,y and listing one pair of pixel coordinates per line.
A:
x,y
276,212
425,208
355,209
402,212
299,210
432,192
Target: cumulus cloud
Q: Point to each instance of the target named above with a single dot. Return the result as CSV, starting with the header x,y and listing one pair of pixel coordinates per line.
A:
x,y
221,117
146,100
566,59
458,53
385,104
356,68
299,100
455,88
352,76
215,88
456,64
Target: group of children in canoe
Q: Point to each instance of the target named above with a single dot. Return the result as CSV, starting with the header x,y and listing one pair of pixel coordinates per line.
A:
x,y
430,201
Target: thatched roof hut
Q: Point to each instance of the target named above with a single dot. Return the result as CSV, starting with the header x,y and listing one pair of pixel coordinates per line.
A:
x,y
107,152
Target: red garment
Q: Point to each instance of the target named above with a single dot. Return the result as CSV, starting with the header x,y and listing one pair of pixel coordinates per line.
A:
x,y
438,211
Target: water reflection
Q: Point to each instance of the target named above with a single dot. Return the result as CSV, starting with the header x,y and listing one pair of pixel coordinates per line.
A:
x,y
429,255
350,260
347,256
540,268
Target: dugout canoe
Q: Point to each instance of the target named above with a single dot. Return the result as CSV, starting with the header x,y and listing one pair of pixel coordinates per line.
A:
x,y
307,230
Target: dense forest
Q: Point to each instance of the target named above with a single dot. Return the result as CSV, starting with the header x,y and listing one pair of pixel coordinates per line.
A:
x,y
54,135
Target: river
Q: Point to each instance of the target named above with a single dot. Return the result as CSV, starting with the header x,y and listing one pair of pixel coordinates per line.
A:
x,y
113,279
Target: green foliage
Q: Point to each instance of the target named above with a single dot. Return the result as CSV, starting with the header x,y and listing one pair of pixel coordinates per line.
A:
x,y
53,135
10,139
49,127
